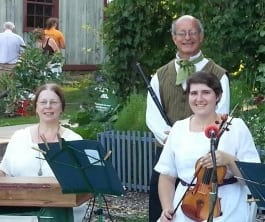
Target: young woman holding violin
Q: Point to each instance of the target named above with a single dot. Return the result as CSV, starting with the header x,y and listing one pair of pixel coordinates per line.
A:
x,y
187,156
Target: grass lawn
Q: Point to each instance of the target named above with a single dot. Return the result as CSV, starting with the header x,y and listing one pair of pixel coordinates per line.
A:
x,y
74,96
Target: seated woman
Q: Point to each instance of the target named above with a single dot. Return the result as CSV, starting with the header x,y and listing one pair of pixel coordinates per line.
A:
x,y
20,160
187,151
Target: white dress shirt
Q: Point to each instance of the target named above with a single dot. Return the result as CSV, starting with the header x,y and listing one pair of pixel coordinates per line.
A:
x,y
10,47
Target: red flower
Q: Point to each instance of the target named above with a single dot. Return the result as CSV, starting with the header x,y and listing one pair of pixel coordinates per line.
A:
x,y
259,99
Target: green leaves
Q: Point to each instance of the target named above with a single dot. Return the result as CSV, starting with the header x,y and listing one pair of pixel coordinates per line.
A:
x,y
261,49
32,70
134,31
139,31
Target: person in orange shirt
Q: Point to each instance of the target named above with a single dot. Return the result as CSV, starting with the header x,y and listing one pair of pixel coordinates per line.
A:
x,y
52,31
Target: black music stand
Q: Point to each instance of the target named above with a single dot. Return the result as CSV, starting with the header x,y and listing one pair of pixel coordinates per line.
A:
x,y
82,166
254,176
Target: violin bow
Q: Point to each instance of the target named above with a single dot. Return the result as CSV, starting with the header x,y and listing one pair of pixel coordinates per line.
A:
x,y
224,124
188,187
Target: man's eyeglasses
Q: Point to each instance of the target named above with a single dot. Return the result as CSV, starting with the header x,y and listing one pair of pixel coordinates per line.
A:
x,y
183,34
51,103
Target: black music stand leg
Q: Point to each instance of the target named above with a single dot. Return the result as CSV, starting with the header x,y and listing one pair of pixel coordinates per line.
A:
x,y
99,211
107,207
87,211
88,219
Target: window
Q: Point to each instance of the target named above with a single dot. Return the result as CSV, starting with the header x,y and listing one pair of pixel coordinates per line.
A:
x,y
36,13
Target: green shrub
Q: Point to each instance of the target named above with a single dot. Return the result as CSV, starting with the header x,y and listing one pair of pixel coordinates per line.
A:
x,y
250,107
33,67
32,70
132,115
90,130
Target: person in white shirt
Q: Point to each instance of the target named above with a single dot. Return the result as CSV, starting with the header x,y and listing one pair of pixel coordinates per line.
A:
x,y
10,47
20,160
169,85
196,146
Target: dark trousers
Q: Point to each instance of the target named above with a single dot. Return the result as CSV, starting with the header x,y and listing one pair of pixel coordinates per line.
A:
x,y
155,208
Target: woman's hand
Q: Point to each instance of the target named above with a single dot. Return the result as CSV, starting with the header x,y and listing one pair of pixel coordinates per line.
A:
x,y
166,215
222,159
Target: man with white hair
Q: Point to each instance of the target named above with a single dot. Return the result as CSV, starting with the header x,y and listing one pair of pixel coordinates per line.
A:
x,y
169,84
10,48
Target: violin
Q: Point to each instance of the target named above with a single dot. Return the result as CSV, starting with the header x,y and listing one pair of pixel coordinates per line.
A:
x,y
196,202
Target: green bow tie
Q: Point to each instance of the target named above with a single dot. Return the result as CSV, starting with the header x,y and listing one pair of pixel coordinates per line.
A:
x,y
186,68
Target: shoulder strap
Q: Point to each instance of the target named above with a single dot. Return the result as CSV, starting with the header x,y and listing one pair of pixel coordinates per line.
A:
x,y
43,46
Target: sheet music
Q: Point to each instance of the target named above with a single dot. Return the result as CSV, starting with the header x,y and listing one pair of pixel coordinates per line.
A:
x,y
93,157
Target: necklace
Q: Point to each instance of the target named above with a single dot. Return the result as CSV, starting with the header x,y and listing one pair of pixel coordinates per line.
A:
x,y
40,172
54,138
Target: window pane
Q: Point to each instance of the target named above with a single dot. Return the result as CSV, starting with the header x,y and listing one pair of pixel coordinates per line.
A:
x,y
43,1
39,9
30,21
39,21
47,11
30,9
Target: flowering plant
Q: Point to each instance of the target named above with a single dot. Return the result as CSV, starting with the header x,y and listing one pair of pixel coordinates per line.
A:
x,y
253,115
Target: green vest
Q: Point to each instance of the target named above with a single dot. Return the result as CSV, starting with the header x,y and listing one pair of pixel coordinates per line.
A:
x,y
173,98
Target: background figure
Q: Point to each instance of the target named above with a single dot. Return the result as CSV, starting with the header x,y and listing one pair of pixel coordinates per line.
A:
x,y
49,46
169,84
188,148
10,48
52,31
20,160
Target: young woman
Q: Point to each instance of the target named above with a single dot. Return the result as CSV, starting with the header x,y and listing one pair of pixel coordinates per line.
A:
x,y
47,44
188,148
49,47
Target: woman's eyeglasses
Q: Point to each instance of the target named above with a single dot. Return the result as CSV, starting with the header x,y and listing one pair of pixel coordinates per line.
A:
x,y
51,103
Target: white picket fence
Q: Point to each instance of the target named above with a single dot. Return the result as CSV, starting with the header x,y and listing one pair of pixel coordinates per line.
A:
x,y
133,156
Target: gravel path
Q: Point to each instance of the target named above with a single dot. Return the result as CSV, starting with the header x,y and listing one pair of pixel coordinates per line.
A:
x,y
132,205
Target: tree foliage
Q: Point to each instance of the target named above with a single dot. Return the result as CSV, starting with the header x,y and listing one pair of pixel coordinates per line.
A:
x,y
32,70
135,31
140,31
